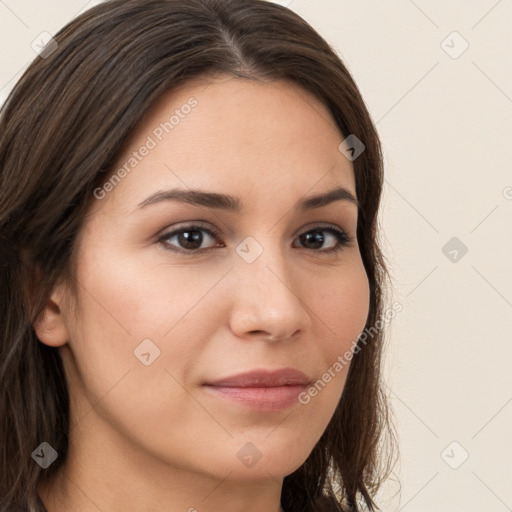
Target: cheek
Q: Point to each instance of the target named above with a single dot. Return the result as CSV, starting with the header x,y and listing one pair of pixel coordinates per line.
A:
x,y
136,298
123,302
342,306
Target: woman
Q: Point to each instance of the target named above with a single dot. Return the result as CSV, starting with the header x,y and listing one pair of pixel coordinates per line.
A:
x,y
190,268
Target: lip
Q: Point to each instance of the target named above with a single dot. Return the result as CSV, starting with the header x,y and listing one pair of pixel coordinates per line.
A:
x,y
264,379
262,390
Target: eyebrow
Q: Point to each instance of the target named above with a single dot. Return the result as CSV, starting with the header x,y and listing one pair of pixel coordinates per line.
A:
x,y
234,204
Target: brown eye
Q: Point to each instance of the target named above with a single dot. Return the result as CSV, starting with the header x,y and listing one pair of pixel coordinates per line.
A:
x,y
188,238
315,238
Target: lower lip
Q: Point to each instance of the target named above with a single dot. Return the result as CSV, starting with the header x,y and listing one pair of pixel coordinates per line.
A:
x,y
269,399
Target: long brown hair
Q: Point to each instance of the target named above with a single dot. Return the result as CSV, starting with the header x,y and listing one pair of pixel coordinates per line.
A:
x,y
63,126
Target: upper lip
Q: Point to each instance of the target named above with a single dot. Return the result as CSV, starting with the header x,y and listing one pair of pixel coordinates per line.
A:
x,y
264,379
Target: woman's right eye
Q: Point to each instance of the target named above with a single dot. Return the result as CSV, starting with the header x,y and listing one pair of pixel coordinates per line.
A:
x,y
188,239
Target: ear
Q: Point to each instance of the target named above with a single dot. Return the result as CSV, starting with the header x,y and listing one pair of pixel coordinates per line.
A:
x,y
50,326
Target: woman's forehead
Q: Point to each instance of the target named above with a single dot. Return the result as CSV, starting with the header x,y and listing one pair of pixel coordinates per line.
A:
x,y
246,137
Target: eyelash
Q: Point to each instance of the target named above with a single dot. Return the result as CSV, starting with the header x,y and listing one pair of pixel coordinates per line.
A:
x,y
342,237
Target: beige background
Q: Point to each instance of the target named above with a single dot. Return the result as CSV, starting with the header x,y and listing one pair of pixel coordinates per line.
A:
x,y
445,120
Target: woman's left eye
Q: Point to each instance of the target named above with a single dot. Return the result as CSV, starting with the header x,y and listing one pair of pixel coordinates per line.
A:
x,y
190,239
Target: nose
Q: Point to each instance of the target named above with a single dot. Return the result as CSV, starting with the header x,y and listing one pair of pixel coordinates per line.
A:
x,y
268,300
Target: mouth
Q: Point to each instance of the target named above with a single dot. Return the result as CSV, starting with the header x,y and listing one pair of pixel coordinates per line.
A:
x,y
262,390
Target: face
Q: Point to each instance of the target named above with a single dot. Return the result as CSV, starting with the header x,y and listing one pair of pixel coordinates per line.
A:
x,y
177,295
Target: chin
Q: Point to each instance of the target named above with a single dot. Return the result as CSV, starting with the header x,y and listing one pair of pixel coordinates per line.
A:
x,y
260,457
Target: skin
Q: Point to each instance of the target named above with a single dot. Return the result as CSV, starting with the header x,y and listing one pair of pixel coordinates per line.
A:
x,y
151,438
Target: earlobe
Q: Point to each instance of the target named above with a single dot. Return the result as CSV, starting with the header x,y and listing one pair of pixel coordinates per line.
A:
x,y
50,326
